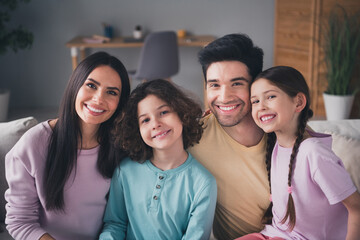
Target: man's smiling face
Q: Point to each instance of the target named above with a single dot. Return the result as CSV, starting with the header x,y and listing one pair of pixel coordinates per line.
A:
x,y
227,88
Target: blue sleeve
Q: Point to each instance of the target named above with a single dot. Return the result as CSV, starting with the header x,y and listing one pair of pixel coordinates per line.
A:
x,y
115,218
202,215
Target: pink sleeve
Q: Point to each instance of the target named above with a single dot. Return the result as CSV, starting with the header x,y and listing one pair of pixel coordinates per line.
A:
x,y
22,217
332,177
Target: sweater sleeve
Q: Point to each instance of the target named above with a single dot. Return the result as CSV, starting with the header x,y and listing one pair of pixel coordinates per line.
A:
x,y
22,217
202,214
115,218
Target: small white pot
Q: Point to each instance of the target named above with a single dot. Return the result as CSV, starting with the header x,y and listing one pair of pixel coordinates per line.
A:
x,y
4,104
137,34
338,107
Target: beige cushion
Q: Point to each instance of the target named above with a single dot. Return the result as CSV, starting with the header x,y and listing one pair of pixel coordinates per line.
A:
x,y
348,150
10,133
346,143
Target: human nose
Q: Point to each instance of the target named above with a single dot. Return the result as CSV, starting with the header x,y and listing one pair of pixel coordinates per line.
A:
x,y
262,105
156,123
98,96
225,94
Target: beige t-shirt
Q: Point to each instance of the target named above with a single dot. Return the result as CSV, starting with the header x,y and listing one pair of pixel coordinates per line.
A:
x,y
242,180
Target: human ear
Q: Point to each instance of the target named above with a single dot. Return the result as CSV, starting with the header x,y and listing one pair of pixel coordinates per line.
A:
x,y
300,101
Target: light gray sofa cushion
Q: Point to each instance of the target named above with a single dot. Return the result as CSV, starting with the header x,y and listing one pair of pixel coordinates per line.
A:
x,y
346,143
10,133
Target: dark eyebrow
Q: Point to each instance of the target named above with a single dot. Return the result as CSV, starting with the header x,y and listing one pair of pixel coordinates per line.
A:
x,y
97,83
268,91
160,107
239,79
211,80
232,80
92,80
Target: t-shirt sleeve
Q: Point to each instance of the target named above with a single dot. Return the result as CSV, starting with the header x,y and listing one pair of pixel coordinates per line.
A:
x,y
22,217
330,175
202,215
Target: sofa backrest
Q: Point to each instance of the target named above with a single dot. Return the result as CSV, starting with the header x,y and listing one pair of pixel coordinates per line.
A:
x,y
346,143
10,133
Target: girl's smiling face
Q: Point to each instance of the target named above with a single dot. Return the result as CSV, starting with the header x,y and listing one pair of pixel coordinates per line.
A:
x,y
272,109
160,127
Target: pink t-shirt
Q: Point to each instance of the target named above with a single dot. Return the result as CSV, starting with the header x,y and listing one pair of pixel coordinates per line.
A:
x,y
320,182
84,195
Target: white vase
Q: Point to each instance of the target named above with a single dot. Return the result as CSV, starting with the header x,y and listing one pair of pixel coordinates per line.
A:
x,y
338,107
4,104
137,34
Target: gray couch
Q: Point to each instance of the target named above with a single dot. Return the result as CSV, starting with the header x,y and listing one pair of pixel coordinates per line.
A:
x,y
346,144
10,132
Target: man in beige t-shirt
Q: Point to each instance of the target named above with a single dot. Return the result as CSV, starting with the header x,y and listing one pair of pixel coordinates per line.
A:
x,y
233,146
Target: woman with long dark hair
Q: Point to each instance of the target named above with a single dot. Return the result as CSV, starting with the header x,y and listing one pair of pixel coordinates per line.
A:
x,y
59,172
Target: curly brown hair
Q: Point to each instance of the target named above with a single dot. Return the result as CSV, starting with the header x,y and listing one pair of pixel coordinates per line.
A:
x,y
127,133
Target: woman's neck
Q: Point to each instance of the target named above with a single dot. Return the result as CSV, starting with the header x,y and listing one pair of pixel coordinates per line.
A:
x,y
89,135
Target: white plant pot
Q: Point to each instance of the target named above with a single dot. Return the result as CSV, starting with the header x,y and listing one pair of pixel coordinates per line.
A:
x,y
338,107
137,34
4,104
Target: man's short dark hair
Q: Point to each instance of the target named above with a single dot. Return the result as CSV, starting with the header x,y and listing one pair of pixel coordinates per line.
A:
x,y
233,47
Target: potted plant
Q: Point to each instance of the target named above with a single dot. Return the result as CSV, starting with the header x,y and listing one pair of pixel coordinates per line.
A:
x,y
341,50
13,38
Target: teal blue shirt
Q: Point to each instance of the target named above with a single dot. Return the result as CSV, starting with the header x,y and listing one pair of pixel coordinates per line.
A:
x,y
148,203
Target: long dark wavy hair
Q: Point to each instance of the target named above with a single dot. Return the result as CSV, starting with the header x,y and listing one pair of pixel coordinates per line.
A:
x,y
127,133
63,145
291,82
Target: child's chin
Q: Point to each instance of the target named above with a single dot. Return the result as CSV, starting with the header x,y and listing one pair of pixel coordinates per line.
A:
x,y
267,130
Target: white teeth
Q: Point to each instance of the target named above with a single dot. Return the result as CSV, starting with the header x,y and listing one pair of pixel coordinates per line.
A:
x,y
227,108
163,134
266,118
94,109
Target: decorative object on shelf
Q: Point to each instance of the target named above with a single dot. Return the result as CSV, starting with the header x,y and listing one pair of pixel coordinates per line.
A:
x,y
108,30
137,33
13,38
96,39
181,33
341,36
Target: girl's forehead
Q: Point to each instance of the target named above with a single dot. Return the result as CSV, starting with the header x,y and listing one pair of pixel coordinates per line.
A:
x,y
262,83
151,103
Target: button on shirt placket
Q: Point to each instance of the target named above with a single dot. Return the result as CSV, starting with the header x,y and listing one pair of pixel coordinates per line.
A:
x,y
157,191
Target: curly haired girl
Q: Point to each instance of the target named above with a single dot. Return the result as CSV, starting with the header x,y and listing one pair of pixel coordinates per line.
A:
x,y
161,191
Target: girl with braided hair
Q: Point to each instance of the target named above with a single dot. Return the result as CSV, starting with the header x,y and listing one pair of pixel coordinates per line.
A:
x,y
312,195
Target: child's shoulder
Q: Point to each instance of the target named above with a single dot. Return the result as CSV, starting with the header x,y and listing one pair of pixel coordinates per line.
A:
x,y
318,146
199,171
127,163
316,140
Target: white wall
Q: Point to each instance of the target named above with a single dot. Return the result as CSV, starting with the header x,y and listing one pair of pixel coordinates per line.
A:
x,y
37,77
